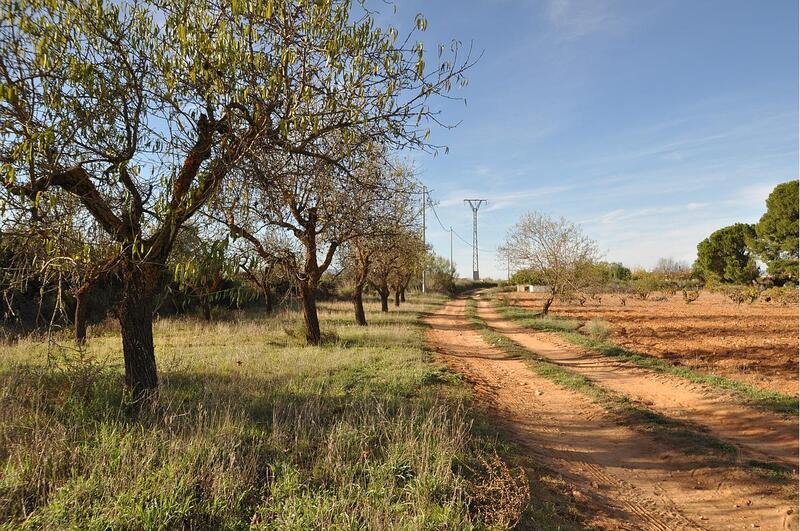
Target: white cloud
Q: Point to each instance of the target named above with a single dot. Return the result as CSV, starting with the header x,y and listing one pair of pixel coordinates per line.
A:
x,y
499,201
578,18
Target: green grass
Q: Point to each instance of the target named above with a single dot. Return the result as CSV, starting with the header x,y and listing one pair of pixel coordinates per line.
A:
x,y
683,435
253,429
766,399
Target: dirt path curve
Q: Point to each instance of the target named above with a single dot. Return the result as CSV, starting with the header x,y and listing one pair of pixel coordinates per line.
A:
x,y
620,478
761,435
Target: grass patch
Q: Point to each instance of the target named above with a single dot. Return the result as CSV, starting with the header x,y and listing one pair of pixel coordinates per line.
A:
x,y
252,430
773,401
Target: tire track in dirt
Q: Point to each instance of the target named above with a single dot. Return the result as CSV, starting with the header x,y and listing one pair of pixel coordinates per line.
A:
x,y
761,435
621,479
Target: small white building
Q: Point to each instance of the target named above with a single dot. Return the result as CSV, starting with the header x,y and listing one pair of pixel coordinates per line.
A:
x,y
532,288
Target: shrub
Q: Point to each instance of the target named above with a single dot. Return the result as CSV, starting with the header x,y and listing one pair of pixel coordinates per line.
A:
x,y
786,294
740,294
597,328
690,295
643,287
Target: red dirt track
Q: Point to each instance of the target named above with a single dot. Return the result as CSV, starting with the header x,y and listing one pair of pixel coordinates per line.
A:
x,y
755,343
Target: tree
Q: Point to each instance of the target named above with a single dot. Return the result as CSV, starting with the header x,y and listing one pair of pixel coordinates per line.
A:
x,y
617,271
203,266
66,252
525,276
391,213
441,275
669,267
554,250
726,257
141,109
399,254
776,240
319,207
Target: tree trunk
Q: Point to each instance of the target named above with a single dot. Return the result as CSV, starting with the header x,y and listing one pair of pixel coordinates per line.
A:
x,y
308,296
384,293
403,295
268,299
80,313
358,305
140,290
206,310
547,304
397,297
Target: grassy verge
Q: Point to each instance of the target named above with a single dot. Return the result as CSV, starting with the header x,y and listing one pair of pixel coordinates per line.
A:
x,y
773,401
680,434
253,429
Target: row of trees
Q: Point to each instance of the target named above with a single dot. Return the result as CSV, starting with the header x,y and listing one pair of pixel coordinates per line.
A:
x,y
126,127
556,254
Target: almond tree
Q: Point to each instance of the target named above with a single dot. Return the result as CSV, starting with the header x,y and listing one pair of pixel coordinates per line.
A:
x,y
398,254
317,206
555,250
140,109
392,212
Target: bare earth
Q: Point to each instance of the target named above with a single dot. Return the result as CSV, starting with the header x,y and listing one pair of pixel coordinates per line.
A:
x,y
622,479
755,343
759,434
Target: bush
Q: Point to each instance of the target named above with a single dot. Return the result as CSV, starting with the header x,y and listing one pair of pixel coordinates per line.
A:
x,y
597,328
690,295
644,286
786,294
740,294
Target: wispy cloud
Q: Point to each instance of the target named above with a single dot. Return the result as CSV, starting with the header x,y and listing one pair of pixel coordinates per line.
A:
x,y
578,18
504,200
626,214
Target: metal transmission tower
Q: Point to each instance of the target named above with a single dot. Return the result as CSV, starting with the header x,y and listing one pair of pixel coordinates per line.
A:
x,y
475,204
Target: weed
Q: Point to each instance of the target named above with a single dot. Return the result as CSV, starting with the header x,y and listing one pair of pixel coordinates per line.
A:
x,y
597,328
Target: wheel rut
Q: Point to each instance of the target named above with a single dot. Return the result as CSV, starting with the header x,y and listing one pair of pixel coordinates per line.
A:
x,y
620,478
759,434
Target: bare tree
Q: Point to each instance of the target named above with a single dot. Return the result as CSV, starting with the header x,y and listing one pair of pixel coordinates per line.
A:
x,y
671,267
554,249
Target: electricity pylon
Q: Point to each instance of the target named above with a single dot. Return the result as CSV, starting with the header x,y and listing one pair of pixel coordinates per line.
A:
x,y
475,204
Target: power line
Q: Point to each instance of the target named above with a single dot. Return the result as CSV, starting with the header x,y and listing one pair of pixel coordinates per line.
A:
x,y
436,215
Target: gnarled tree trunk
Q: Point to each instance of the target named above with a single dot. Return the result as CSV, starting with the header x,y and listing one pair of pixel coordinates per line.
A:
x,y
358,305
309,300
268,298
547,304
397,297
141,284
384,294
81,295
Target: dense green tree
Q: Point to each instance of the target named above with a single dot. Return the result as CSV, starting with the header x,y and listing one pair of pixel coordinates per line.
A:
x,y
726,257
525,276
441,276
776,240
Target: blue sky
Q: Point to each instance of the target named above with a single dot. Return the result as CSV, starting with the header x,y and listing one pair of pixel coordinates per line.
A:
x,y
649,123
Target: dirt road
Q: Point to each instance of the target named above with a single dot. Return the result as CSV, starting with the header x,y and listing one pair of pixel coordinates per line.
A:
x,y
620,478
761,435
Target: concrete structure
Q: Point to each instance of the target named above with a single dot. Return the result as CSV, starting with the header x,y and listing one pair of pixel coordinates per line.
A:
x,y
531,288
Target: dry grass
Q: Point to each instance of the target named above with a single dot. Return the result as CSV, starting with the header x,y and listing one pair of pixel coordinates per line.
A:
x,y
253,430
